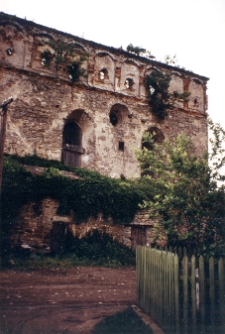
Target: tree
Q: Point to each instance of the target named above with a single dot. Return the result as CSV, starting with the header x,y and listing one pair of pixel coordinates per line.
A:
x,y
171,60
187,201
139,51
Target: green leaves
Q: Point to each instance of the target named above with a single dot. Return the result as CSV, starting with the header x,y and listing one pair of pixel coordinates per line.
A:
x,y
157,85
101,248
69,54
185,198
90,195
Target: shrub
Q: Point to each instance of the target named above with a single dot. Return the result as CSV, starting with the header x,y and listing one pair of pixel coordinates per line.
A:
x,y
100,248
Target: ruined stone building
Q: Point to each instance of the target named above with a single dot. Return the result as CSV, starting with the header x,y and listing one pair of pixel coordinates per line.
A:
x,y
92,117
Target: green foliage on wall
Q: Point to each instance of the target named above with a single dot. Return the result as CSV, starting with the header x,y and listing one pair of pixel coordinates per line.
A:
x,y
68,54
75,71
139,51
157,85
90,195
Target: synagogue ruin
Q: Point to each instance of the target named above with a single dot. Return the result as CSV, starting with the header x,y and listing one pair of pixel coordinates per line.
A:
x,y
87,104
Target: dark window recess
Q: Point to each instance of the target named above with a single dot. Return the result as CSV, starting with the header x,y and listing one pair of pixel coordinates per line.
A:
x,y
113,119
121,146
9,52
72,134
129,83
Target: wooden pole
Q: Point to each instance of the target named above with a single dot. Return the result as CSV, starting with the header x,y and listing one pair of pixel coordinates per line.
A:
x,y
2,141
3,106
202,291
3,116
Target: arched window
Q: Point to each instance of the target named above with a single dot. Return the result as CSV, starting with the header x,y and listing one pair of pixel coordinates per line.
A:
x,y
72,141
118,114
129,83
103,74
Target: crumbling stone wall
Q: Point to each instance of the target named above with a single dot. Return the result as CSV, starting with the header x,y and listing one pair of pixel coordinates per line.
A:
x,y
45,100
34,226
109,106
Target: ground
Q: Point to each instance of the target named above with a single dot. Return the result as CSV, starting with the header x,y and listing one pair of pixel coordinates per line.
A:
x,y
63,301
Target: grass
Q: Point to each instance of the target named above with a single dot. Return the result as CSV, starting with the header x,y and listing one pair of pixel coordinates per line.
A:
x,y
95,249
60,261
126,322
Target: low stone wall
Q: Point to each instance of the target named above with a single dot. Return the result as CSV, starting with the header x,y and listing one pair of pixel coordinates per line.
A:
x,y
34,228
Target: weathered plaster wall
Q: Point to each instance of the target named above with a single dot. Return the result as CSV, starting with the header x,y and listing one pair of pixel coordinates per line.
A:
x,y
45,100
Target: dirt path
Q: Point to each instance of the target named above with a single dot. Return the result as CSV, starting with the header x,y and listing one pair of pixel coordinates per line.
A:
x,y
63,301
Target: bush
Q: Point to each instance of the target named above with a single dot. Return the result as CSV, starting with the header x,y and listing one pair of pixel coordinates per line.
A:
x,y
101,249
95,249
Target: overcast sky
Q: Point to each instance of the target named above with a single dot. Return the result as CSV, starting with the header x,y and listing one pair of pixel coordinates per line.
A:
x,y
194,30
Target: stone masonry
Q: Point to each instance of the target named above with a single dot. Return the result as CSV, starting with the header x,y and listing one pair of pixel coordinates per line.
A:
x,y
34,227
45,100
106,113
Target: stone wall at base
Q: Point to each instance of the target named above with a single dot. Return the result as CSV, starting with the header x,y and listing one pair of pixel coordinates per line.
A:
x,y
35,227
34,224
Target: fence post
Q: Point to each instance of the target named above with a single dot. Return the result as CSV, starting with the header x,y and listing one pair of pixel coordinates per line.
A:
x,y
148,277
176,293
171,291
193,293
221,291
212,291
202,290
138,264
160,283
185,293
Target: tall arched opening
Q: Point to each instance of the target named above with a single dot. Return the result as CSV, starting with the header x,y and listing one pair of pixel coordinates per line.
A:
x,y
72,144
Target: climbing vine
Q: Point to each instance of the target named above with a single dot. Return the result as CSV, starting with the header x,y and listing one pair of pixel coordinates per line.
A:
x,y
66,54
157,85
88,196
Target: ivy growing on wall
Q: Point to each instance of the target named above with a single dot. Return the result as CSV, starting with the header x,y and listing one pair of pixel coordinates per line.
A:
x,y
75,70
66,54
92,194
157,85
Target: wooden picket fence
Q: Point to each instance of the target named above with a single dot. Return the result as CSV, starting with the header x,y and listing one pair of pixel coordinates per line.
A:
x,y
181,294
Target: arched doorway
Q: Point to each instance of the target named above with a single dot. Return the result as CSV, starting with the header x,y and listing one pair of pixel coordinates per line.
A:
x,y
72,141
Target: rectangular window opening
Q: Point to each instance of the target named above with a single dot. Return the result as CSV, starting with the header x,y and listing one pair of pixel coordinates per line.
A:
x,y
121,146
